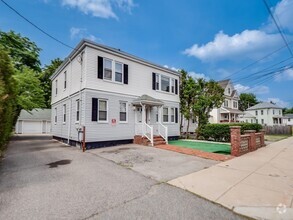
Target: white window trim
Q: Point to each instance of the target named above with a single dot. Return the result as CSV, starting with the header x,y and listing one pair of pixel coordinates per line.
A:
x,y
171,79
123,122
55,116
64,113
65,80
165,122
170,116
113,80
77,101
56,87
122,77
107,120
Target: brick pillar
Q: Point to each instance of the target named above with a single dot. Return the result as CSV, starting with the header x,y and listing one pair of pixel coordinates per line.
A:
x,y
235,140
252,144
262,137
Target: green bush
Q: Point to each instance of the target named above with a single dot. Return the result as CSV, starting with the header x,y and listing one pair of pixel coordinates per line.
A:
x,y
221,132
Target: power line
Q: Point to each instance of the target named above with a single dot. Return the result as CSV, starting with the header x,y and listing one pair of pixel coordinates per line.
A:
x,y
37,27
279,29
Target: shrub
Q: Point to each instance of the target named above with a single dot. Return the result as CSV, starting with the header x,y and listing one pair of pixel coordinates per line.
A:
x,y
221,132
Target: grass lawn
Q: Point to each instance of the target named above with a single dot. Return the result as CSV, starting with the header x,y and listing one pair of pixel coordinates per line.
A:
x,y
276,137
203,146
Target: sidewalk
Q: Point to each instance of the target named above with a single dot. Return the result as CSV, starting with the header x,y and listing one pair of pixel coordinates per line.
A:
x,y
258,184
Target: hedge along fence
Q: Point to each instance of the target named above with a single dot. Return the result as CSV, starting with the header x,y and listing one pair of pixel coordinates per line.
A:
x,y
221,132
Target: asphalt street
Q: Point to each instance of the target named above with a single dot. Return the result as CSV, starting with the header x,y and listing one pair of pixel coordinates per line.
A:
x,y
43,179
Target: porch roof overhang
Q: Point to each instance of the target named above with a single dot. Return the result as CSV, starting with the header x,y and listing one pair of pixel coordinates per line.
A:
x,y
147,100
230,110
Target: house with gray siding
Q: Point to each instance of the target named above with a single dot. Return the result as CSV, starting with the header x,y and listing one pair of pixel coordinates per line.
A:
x,y
115,96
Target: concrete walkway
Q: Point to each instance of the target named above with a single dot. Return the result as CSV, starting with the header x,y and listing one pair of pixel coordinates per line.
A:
x,y
258,184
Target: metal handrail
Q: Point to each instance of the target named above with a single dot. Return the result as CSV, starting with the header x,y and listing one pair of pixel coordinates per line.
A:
x,y
164,134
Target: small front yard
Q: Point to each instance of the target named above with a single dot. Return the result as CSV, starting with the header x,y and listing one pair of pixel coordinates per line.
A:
x,y
275,137
213,147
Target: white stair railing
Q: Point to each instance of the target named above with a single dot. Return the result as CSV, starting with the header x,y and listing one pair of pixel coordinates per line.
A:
x,y
163,131
148,132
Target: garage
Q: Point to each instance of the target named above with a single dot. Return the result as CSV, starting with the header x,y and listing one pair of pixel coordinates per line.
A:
x,y
37,121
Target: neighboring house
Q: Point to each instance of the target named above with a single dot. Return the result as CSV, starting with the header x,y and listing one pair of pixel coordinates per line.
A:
x,y
192,125
266,113
37,121
114,95
229,111
288,119
247,117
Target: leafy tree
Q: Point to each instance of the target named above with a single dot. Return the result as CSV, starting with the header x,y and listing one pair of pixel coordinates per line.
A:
x,y
7,98
22,50
44,77
209,95
247,100
29,92
288,110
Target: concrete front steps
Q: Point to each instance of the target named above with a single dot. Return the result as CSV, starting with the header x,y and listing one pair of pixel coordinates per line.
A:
x,y
158,140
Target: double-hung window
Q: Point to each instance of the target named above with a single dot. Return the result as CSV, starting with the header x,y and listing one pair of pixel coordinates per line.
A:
x,y
165,115
123,112
165,84
107,69
256,113
157,82
118,72
55,117
235,104
65,80
172,119
261,112
77,110
64,113
102,113
173,85
56,87
226,103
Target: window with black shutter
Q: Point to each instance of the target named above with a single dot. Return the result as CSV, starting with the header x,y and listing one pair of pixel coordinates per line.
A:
x,y
176,115
125,72
100,67
176,86
94,109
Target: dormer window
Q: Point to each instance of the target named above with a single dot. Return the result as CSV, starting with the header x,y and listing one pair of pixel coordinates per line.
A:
x,y
229,91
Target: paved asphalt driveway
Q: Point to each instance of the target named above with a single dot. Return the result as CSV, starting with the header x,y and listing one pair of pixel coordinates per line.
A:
x,y
43,179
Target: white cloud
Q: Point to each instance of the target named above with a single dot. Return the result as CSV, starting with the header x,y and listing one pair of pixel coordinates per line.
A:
x,y
285,75
282,12
172,68
78,33
258,90
279,102
100,8
198,75
247,44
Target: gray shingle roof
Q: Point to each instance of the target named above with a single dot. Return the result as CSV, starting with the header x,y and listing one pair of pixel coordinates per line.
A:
x,y
289,115
224,83
35,114
264,105
145,99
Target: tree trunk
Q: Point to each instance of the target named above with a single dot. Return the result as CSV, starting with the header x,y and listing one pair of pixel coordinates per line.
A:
x,y
187,129
181,121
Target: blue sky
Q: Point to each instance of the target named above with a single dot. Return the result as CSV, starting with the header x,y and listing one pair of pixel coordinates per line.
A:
x,y
208,38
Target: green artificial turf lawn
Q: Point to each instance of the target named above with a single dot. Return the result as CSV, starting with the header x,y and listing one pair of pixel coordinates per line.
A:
x,y
203,146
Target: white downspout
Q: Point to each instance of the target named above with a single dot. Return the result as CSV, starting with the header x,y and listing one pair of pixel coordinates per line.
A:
x,y
70,103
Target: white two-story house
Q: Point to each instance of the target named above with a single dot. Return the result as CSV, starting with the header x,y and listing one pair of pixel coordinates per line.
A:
x,y
114,96
266,113
229,111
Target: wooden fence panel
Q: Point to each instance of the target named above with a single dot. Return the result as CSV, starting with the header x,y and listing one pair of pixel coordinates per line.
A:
x,y
278,129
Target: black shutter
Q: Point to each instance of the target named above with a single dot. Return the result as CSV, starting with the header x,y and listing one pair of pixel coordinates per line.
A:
x,y
176,86
125,74
94,109
176,115
100,67
154,81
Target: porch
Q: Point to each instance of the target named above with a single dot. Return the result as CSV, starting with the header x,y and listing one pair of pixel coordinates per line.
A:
x,y
149,129
277,120
228,115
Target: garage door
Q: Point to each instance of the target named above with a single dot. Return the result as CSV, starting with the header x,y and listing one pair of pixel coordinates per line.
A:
x,y
32,127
